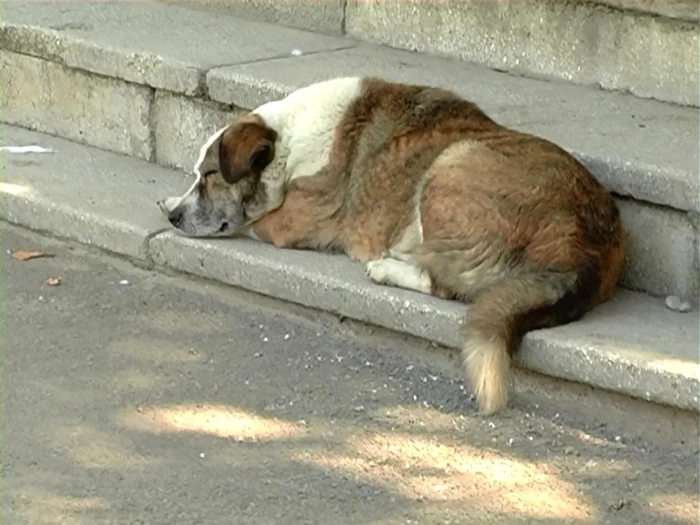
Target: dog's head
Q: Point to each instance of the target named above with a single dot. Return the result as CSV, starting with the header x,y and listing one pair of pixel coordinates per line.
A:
x,y
230,190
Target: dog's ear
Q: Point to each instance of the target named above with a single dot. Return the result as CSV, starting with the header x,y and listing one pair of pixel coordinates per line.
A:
x,y
245,149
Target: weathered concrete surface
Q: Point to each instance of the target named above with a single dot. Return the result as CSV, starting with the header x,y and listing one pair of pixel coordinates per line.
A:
x,y
164,46
131,397
633,345
661,253
181,125
579,42
324,16
89,195
641,148
46,96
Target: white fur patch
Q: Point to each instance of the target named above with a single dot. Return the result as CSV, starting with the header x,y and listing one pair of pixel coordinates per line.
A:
x,y
400,274
171,203
487,366
306,122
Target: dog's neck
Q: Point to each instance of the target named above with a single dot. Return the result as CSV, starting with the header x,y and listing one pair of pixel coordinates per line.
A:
x,y
306,123
276,116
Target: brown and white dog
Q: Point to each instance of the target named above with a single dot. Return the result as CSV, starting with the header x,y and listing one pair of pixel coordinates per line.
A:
x,y
431,194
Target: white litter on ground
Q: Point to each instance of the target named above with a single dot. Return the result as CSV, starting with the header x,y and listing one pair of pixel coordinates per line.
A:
x,y
678,304
26,149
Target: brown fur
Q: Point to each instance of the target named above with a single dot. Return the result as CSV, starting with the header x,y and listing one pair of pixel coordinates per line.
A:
x,y
510,222
247,146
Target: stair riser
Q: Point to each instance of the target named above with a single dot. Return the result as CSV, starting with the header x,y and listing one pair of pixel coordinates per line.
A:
x,y
167,128
649,56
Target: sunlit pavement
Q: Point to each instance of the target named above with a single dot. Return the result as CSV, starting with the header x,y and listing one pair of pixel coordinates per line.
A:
x,y
133,397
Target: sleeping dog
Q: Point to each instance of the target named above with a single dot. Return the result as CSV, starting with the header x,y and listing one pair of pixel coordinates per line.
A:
x,y
431,194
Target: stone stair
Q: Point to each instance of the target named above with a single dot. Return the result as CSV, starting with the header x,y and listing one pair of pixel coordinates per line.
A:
x,y
647,47
151,80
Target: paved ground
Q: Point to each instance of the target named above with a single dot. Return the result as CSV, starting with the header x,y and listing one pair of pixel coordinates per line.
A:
x,y
132,397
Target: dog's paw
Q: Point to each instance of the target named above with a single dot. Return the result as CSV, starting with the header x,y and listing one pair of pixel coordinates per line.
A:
x,y
378,270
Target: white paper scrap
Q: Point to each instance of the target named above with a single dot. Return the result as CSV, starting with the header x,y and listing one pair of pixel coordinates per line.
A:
x,y
25,149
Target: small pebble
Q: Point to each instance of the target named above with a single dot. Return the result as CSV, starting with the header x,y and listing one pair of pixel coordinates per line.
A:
x,y
123,281
619,505
677,304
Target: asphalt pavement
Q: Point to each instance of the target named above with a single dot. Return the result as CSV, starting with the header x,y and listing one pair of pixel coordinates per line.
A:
x,y
132,396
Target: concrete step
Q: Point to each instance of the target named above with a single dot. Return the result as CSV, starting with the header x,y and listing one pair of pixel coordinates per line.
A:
x,y
112,75
633,345
647,47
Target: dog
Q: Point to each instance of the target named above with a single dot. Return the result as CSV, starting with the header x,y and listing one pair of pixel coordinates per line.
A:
x,y
431,194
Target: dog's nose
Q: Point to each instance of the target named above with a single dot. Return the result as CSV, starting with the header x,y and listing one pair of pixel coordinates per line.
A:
x,y
175,217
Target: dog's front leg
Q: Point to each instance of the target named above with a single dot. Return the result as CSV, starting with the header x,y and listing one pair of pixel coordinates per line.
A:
x,y
399,273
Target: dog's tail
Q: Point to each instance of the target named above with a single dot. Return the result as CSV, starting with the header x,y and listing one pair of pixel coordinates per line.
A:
x,y
502,313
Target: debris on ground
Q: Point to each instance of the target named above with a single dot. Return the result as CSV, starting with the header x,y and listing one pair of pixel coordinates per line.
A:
x,y
23,255
678,304
26,149
53,281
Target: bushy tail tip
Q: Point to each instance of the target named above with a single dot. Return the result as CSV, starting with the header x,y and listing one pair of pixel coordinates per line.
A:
x,y
487,365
